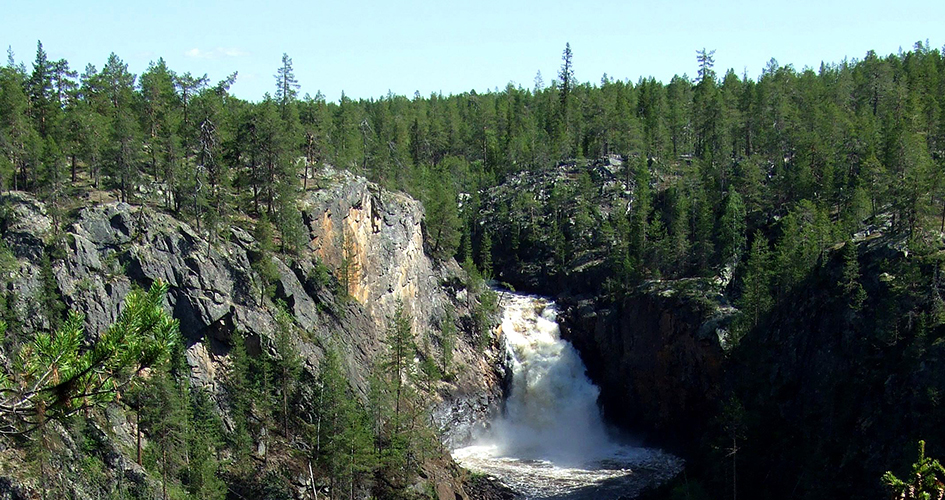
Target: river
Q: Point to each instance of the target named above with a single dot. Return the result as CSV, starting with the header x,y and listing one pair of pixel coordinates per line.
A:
x,y
550,440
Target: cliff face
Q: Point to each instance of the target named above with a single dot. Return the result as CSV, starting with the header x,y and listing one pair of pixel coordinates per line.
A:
x,y
215,291
832,387
657,356
657,352
377,234
821,398
849,386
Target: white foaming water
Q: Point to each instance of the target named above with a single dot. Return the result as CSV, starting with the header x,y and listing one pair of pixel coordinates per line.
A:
x,y
551,440
552,412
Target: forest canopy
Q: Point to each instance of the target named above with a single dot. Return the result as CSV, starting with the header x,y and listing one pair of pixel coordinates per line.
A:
x,y
846,140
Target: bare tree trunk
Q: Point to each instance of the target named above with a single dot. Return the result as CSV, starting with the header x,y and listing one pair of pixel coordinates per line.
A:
x,y
164,472
42,461
734,470
351,474
311,477
138,434
285,404
943,217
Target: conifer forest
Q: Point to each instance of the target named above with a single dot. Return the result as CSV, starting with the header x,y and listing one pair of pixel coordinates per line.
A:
x,y
202,296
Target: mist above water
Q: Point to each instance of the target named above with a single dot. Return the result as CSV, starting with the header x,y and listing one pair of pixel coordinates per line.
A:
x,y
550,440
551,413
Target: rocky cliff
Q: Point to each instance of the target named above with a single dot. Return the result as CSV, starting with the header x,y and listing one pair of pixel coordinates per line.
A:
x,y
657,355
833,386
94,259
657,352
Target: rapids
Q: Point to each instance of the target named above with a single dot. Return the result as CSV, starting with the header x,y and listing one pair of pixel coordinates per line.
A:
x,y
550,441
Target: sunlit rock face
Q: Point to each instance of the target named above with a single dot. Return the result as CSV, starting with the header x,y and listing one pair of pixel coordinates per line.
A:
x,y
216,292
378,234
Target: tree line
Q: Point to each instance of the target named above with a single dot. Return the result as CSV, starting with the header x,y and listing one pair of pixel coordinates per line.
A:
x,y
756,176
853,138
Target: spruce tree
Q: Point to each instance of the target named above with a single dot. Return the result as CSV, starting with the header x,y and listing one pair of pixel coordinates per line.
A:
x,y
289,363
732,229
756,297
287,87
124,146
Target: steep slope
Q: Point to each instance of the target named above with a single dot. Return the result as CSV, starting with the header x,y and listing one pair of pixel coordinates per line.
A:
x,y
217,293
832,386
656,350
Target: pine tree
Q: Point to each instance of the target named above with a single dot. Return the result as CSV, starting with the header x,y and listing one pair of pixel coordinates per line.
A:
x,y
349,271
89,124
679,228
442,223
188,87
447,341
43,107
124,147
485,255
679,97
396,434
641,206
59,375
398,364
203,475
332,388
732,229
702,219
21,143
926,481
707,117
289,363
160,106
756,297
240,396
706,61
164,414
849,284
262,262
566,87
287,87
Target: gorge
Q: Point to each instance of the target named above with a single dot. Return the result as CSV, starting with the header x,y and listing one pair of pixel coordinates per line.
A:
x,y
550,440
746,273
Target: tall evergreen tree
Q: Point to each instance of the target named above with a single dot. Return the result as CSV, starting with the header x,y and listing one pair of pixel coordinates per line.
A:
x,y
287,87
756,297
124,147
21,143
43,106
565,89
732,229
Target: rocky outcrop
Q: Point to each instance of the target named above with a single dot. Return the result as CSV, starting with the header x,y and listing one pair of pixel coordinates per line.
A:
x,y
832,387
656,352
214,290
547,222
379,234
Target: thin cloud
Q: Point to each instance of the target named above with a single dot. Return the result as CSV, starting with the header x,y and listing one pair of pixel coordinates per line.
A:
x,y
217,53
234,53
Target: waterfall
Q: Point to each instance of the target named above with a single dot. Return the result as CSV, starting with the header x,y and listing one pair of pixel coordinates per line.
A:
x,y
551,413
550,441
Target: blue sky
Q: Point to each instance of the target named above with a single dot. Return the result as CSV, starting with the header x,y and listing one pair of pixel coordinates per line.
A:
x,y
369,48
